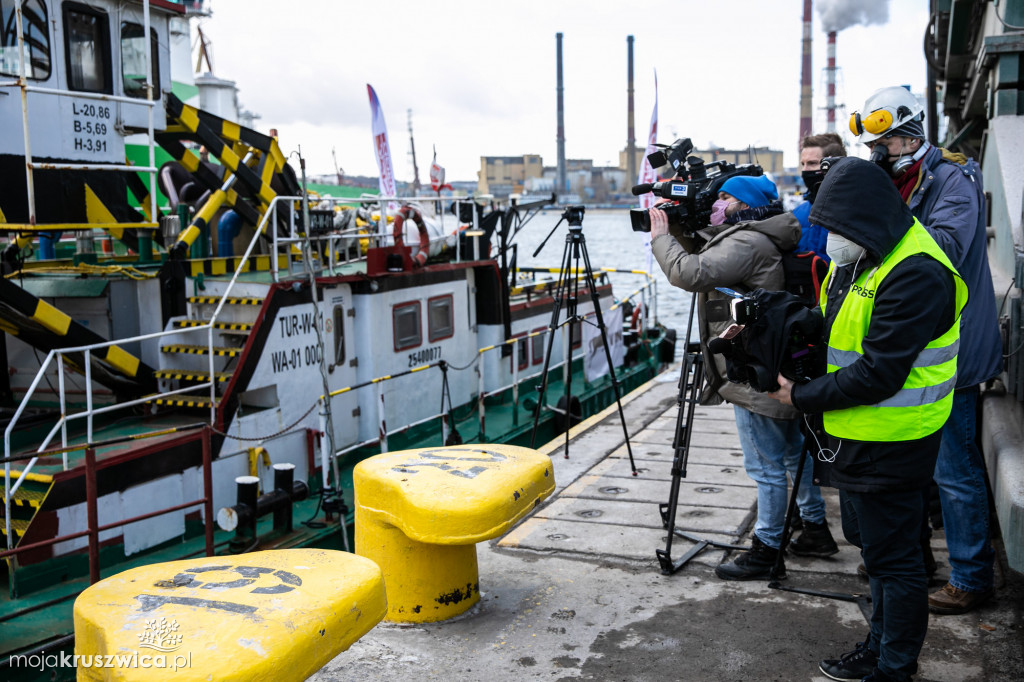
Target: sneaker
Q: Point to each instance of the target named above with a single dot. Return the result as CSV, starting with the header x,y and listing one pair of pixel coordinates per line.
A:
x,y
754,564
815,540
951,601
853,665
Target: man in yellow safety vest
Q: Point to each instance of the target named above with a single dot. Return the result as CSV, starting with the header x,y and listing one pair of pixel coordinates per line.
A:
x,y
891,304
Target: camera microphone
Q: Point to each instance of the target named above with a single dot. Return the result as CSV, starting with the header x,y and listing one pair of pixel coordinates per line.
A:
x,y
642,189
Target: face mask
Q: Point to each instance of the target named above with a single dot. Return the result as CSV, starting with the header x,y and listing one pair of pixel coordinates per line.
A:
x,y
812,181
842,251
718,211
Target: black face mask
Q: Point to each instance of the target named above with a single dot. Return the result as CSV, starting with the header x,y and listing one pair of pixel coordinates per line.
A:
x,y
812,181
880,156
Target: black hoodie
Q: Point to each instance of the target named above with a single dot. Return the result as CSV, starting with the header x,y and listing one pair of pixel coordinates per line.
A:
x,y
914,305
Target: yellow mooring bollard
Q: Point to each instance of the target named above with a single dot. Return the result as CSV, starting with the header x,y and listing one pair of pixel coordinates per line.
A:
x,y
275,615
420,513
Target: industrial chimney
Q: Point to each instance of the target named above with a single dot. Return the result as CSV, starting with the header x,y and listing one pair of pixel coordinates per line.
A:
x,y
806,94
830,84
630,136
560,189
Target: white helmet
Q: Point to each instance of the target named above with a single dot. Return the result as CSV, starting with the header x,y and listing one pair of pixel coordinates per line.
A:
x,y
886,110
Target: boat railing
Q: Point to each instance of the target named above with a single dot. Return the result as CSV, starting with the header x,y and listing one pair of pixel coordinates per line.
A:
x,y
647,293
94,528
335,242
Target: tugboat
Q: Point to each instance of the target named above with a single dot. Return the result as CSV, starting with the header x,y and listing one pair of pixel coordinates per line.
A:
x,y
173,390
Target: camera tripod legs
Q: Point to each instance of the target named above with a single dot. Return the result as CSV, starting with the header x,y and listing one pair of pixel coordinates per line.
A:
x,y
568,291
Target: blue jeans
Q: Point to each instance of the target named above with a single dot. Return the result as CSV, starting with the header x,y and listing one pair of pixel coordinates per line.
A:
x,y
960,476
770,448
887,528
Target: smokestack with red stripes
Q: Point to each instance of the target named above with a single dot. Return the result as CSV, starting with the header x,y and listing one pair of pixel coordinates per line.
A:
x,y
806,93
630,136
830,85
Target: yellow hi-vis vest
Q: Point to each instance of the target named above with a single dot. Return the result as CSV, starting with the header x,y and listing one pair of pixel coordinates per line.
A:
x,y
924,402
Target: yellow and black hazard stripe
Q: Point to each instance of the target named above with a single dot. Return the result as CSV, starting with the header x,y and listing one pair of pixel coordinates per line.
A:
x,y
214,300
190,349
213,267
227,326
189,375
189,401
71,333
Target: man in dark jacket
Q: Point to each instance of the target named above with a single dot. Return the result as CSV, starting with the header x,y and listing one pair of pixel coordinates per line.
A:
x,y
944,192
742,250
891,304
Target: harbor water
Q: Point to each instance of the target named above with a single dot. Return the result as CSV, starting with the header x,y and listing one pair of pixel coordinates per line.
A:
x,y
611,243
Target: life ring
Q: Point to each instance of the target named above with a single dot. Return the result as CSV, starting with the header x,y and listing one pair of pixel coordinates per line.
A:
x,y
638,311
403,214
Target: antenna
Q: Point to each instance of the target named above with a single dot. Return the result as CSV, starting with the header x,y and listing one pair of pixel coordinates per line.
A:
x,y
338,172
204,52
415,168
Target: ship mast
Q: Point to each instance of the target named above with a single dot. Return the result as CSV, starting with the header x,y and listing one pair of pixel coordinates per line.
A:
x,y
415,168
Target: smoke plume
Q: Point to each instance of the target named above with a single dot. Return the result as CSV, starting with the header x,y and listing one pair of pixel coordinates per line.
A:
x,y
837,15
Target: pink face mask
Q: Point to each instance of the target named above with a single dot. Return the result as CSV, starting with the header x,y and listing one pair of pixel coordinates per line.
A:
x,y
718,211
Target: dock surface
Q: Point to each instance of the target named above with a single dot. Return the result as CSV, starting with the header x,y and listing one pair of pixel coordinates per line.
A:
x,y
575,590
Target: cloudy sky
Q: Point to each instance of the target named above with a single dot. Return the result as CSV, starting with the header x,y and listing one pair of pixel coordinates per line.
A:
x,y
479,77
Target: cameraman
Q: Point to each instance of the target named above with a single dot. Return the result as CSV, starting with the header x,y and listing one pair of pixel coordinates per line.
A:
x,y
742,250
891,304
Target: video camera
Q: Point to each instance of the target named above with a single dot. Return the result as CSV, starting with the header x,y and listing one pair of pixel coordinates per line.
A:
x,y
767,333
694,189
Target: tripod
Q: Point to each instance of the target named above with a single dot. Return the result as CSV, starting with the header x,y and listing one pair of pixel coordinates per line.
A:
x,y
567,293
691,383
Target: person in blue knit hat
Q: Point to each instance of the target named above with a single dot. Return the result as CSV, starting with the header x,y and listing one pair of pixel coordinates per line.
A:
x,y
742,249
755,192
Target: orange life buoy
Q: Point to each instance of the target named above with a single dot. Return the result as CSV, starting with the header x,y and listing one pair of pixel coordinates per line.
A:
x,y
403,214
634,322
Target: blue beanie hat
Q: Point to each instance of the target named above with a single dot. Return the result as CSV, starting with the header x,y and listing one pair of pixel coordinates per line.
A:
x,y
755,192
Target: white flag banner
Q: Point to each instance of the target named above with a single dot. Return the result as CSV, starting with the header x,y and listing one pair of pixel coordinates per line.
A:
x,y
386,179
648,176
595,363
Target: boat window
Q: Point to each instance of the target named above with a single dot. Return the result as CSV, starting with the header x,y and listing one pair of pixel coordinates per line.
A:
x,y
339,335
522,353
539,346
133,61
35,33
87,48
440,318
406,319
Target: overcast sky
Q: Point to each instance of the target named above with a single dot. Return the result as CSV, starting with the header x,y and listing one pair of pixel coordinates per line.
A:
x,y
479,77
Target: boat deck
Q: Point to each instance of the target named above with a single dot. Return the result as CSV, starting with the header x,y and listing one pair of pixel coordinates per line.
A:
x,y
575,591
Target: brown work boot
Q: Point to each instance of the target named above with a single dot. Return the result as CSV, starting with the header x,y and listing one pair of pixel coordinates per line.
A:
x,y
950,601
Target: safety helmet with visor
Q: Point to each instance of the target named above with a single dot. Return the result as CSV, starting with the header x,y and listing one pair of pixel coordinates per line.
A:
x,y
887,109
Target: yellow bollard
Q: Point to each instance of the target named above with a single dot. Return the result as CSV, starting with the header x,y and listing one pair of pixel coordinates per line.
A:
x,y
420,513
274,615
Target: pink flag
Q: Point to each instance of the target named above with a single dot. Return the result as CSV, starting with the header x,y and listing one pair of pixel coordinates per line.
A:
x,y
647,174
437,175
380,147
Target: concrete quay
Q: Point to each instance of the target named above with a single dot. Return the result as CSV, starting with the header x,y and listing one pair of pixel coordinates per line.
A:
x,y
575,591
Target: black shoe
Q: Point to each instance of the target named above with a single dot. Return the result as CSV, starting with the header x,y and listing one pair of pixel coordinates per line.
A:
x,y
815,540
754,564
853,665
879,676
